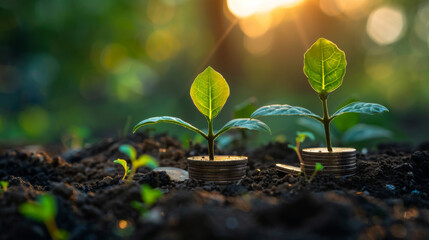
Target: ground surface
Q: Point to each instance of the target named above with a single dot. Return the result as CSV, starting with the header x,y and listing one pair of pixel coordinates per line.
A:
x,y
387,199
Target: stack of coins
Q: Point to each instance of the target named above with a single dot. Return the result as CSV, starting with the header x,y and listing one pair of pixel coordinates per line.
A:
x,y
221,170
340,162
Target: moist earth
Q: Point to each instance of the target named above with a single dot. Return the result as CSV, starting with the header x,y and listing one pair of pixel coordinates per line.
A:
x,y
388,198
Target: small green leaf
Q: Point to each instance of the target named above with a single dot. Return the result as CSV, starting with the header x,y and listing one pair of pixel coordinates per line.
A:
x,y
245,109
292,147
318,167
44,209
209,92
124,165
128,150
145,160
4,186
283,110
244,123
364,132
324,66
361,107
168,119
150,195
301,136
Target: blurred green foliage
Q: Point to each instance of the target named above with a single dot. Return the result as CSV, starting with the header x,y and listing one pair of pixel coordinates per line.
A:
x,y
76,71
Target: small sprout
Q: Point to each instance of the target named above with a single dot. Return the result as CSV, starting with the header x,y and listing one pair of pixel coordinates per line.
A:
x,y
317,167
3,186
149,197
300,137
209,92
143,160
325,67
44,210
124,164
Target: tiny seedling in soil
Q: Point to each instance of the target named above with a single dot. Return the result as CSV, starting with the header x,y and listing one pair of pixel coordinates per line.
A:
x,y
3,186
300,138
209,92
149,197
325,67
44,210
143,160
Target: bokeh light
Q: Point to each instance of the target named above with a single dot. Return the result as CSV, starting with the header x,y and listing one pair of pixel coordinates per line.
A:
x,y
421,26
162,45
258,46
386,24
245,8
256,25
354,9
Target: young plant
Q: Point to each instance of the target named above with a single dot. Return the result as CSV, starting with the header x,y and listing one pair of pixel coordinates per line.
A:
x,y
149,197
143,160
44,210
325,67
3,186
300,137
209,92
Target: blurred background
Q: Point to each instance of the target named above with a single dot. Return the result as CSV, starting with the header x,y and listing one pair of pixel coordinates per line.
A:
x,y
77,71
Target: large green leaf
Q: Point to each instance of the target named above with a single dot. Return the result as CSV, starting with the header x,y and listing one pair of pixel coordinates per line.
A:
x,y
209,91
361,107
283,110
324,66
244,123
168,119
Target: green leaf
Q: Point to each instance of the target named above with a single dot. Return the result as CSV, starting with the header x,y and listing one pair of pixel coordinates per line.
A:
x,y
346,121
244,123
61,234
145,160
283,110
128,150
324,66
44,209
361,107
292,147
245,109
318,167
209,92
301,136
150,195
168,119
364,132
125,165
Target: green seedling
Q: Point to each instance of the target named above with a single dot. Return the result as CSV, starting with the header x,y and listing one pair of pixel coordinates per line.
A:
x,y
317,167
3,186
44,210
209,92
325,67
300,138
143,160
149,197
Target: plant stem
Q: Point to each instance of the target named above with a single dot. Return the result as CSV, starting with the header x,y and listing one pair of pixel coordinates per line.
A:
x,y
210,139
132,173
326,121
52,228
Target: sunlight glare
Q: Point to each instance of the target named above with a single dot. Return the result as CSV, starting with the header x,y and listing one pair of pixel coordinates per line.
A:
x,y
245,8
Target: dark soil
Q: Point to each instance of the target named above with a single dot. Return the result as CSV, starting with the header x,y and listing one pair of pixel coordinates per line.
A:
x,y
387,199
